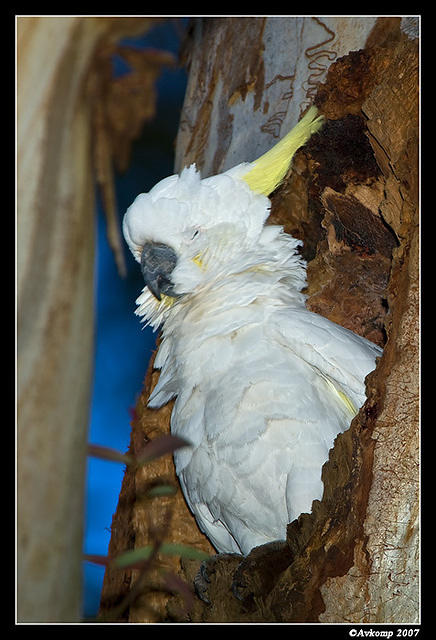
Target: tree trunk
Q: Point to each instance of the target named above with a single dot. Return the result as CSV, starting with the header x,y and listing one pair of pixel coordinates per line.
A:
x,y
55,284
353,198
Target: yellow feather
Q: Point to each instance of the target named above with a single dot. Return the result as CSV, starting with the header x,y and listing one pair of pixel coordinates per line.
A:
x,y
342,396
198,261
347,402
270,169
166,301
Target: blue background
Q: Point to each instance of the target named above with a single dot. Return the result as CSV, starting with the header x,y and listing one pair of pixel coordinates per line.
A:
x,y
122,346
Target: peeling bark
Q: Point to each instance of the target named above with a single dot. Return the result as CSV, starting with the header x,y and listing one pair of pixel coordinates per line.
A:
x,y
353,198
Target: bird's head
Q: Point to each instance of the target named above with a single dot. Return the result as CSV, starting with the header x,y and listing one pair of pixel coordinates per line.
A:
x,y
187,231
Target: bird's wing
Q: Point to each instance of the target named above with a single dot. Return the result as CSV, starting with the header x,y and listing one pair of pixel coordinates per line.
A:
x,y
262,431
262,426
338,354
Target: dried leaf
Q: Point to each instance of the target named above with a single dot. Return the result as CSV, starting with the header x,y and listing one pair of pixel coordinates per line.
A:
x,y
120,106
107,453
175,584
153,449
97,559
161,446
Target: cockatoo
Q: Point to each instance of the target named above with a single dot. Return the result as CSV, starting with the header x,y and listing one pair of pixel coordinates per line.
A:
x,y
262,385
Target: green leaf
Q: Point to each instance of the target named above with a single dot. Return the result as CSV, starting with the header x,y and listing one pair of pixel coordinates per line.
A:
x,y
162,490
169,549
183,550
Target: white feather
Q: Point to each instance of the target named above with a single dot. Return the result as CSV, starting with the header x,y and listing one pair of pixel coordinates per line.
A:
x,y
263,386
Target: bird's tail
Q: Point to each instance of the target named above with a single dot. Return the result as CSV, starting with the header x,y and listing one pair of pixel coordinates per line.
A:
x,y
269,170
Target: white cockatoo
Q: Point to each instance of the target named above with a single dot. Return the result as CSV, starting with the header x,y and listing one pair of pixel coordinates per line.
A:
x,y
262,385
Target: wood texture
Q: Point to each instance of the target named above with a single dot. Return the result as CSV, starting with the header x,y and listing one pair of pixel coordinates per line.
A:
x,y
55,313
55,287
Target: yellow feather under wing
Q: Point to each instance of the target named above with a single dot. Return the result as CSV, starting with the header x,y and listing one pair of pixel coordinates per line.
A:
x,y
270,169
342,396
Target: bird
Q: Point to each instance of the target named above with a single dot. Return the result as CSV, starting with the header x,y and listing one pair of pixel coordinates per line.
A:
x,y
262,386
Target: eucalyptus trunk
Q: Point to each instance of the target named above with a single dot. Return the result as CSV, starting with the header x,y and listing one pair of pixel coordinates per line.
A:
x,y
352,198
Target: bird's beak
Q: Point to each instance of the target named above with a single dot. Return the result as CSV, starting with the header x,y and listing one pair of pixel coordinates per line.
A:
x,y
157,263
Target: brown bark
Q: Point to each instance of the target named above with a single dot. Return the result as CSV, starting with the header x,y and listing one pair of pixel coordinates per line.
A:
x,y
353,198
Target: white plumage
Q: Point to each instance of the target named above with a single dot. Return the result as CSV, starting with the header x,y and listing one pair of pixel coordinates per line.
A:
x,y
262,385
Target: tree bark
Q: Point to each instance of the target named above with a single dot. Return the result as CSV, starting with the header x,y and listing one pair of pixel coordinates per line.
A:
x,y
353,198
55,283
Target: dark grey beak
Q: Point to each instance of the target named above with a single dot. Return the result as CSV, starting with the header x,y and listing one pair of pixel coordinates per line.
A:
x,y
157,263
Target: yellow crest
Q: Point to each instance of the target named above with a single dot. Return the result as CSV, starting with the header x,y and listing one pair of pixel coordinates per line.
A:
x,y
270,169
